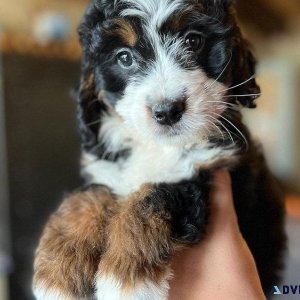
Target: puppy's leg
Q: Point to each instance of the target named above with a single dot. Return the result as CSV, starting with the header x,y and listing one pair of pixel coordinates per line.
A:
x,y
145,233
69,251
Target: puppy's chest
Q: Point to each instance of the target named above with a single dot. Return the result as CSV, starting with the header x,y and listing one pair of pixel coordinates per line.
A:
x,y
155,163
149,164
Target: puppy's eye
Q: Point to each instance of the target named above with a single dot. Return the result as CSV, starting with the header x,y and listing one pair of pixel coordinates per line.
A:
x,y
194,41
125,59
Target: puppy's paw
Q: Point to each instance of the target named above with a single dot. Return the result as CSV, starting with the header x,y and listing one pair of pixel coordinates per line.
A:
x,y
108,287
186,207
42,293
71,245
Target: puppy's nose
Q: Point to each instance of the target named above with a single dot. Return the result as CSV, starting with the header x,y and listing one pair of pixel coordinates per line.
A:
x,y
168,113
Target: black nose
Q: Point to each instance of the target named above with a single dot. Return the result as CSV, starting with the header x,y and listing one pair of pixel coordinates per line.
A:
x,y
168,113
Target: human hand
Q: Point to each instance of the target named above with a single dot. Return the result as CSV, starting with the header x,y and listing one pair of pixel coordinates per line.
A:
x,y
221,266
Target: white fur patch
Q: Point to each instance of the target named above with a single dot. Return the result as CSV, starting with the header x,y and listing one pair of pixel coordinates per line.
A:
x,y
108,288
41,293
153,12
114,134
87,158
152,162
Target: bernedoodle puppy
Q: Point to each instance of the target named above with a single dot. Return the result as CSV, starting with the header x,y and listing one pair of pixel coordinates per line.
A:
x,y
159,104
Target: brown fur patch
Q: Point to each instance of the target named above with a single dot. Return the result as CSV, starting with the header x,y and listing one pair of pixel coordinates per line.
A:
x,y
72,243
138,244
129,239
124,30
180,20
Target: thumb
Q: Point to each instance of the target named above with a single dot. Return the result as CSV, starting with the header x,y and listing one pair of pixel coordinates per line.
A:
x,y
223,216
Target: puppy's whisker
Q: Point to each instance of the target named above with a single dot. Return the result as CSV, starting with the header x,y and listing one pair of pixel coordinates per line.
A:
x,y
245,95
93,123
241,134
230,106
226,129
215,126
222,102
226,66
93,101
244,82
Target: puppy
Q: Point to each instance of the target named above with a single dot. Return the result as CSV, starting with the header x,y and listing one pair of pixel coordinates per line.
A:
x,y
159,104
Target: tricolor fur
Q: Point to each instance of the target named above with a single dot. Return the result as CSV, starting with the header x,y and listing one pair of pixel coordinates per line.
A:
x,y
159,104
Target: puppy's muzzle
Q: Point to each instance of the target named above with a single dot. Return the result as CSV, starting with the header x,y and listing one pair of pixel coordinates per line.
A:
x,y
168,113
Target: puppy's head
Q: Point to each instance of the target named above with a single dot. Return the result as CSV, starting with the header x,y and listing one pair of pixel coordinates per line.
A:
x,y
168,68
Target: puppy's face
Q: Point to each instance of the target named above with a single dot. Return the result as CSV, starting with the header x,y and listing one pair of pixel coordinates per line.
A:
x,y
165,66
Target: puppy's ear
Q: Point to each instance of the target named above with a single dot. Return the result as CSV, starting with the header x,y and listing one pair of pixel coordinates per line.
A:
x,y
224,3
217,5
93,15
89,104
243,61
106,6
89,110
220,10
243,72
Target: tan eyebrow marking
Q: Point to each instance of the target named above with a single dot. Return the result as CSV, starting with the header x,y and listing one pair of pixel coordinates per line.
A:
x,y
124,30
179,21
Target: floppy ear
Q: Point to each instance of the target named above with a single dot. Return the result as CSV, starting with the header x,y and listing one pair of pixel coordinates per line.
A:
x,y
219,9
224,3
243,61
243,72
89,104
89,111
217,5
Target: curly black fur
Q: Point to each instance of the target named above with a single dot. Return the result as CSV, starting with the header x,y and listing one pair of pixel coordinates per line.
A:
x,y
187,204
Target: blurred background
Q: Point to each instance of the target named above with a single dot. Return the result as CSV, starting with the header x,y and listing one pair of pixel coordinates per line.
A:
x,y
39,144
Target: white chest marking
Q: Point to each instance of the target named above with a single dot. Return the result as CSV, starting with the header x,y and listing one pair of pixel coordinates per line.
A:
x,y
149,162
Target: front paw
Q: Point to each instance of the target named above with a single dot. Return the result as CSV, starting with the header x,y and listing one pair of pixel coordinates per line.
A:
x,y
185,205
70,248
110,288
41,293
